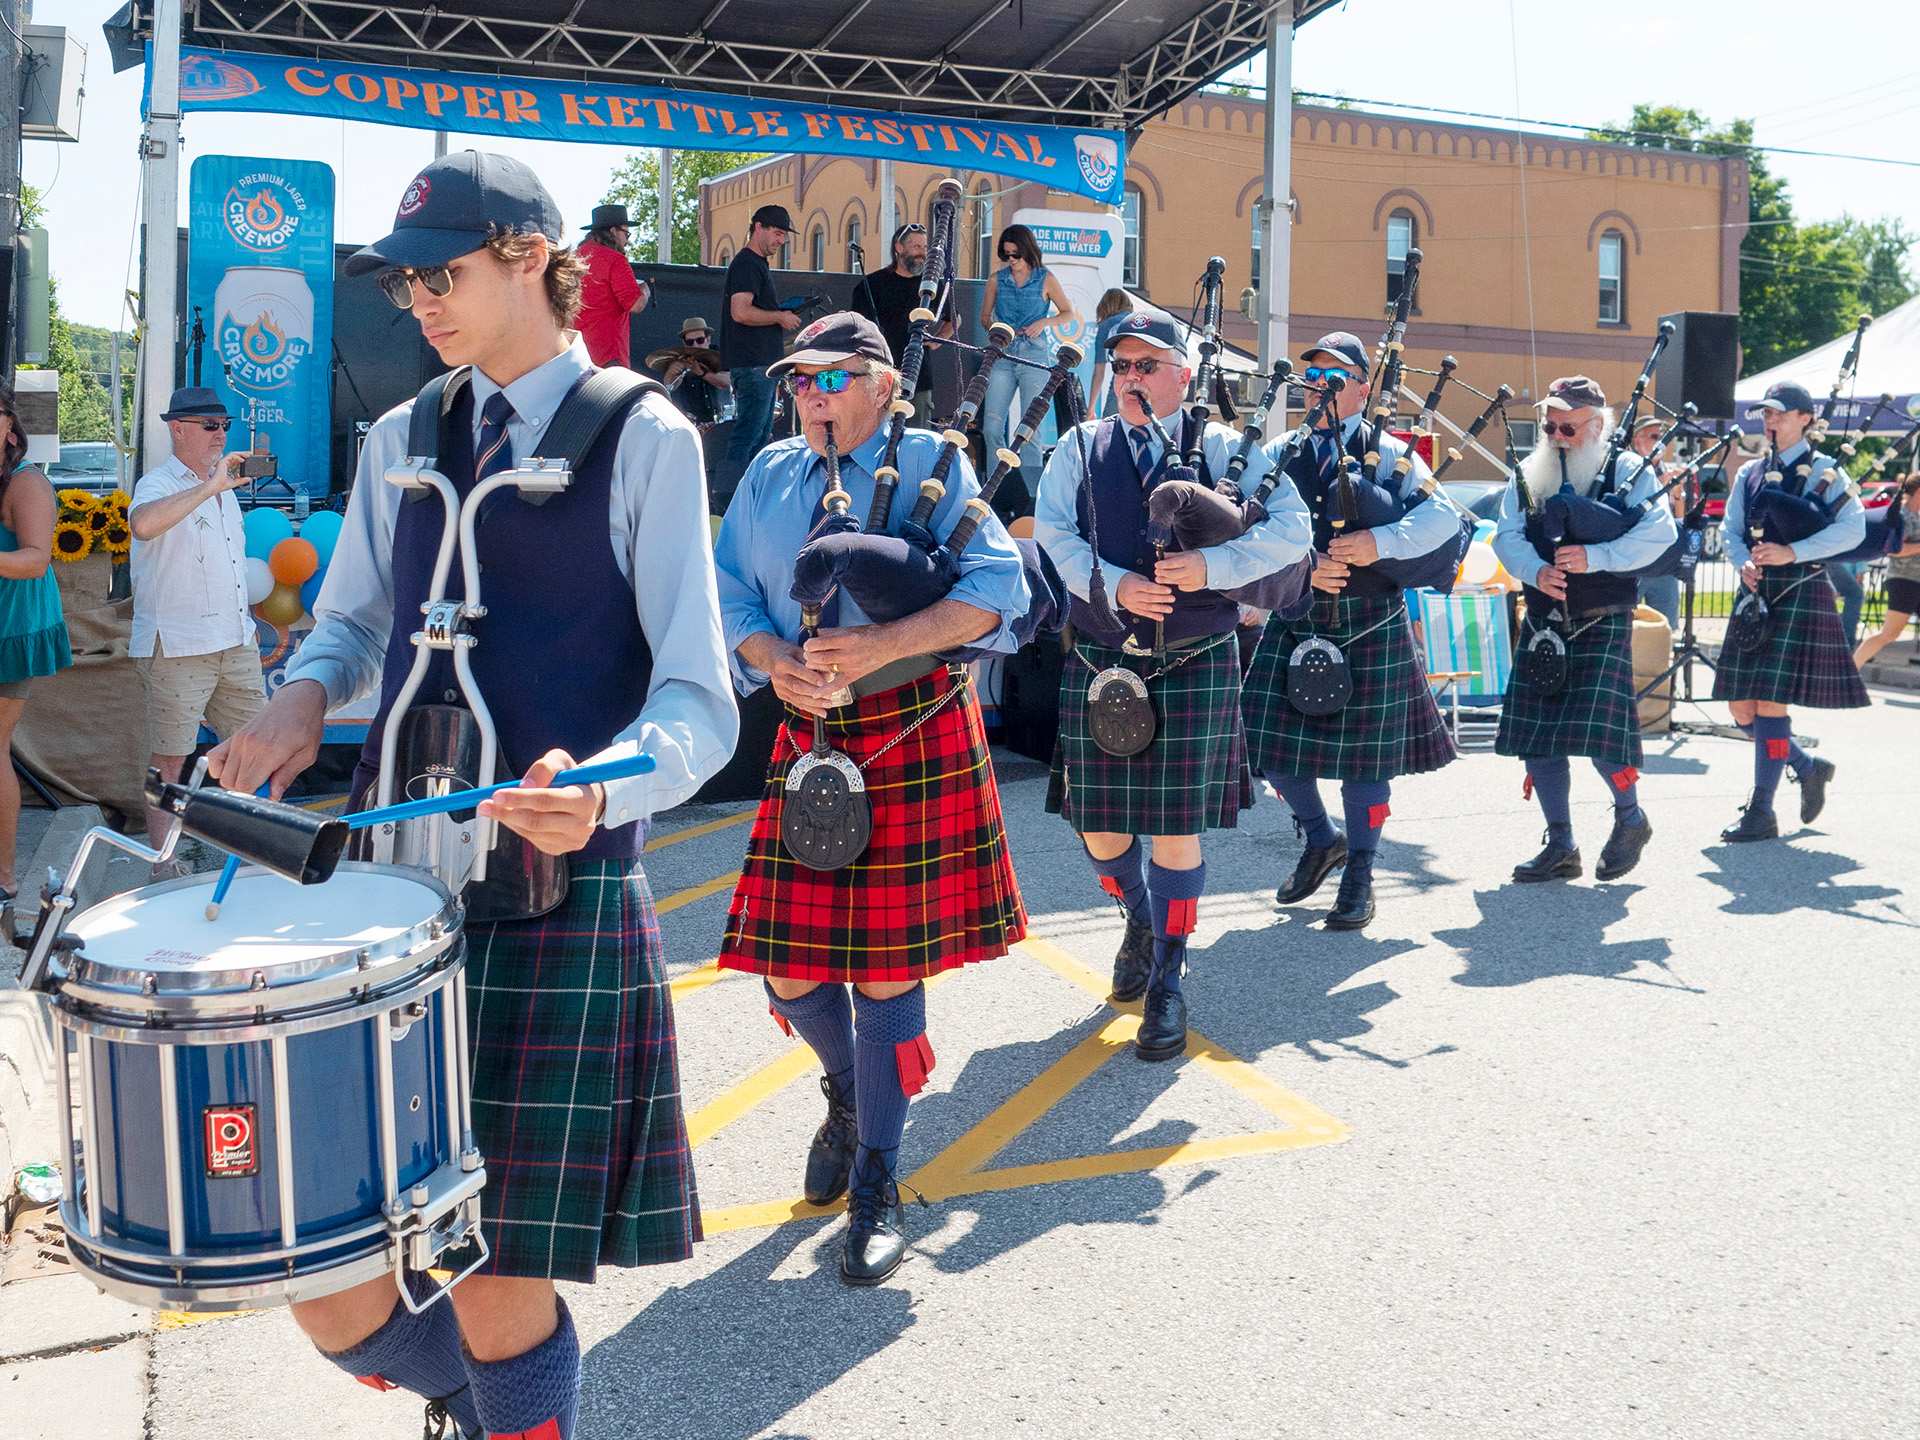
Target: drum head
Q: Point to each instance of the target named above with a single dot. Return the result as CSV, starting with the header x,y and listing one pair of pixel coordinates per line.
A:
x,y
1319,679
1119,713
825,818
1543,663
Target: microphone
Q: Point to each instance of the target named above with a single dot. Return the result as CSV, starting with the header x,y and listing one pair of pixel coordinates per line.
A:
x,y
854,246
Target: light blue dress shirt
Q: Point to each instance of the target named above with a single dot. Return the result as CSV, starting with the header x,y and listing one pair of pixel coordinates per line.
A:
x,y
1828,481
1641,545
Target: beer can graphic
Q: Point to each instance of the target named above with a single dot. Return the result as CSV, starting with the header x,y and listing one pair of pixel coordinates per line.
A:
x,y
264,326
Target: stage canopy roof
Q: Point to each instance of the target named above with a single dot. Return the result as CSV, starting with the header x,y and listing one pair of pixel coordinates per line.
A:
x,y
1889,365
1112,64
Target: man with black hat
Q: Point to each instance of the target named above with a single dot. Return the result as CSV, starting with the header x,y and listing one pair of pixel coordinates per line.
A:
x,y
1176,654
600,639
1571,692
933,888
1798,653
889,298
752,326
609,295
193,638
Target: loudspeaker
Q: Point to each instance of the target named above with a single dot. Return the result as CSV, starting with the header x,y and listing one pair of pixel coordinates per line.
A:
x,y
1700,362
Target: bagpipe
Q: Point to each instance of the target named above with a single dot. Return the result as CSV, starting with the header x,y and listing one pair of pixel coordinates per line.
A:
x,y
1886,529
1782,509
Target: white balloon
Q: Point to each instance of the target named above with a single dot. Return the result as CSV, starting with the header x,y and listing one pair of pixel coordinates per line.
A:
x,y
259,581
1481,564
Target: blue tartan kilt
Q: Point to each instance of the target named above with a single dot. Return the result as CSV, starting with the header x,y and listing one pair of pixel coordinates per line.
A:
x,y
1805,659
1594,715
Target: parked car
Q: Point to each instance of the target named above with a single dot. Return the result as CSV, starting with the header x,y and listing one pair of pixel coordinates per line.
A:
x,y
84,465
1479,498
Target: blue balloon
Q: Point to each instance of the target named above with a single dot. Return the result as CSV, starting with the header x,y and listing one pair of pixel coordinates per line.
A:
x,y
322,530
310,591
266,528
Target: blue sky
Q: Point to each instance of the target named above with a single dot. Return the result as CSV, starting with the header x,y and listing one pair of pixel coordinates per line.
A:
x,y
1809,83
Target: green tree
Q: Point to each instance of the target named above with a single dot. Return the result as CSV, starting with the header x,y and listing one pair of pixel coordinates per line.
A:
x,y
635,183
85,412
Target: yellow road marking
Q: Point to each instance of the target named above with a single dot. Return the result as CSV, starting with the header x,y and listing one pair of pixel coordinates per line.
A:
x,y
694,832
710,1119
700,979
695,892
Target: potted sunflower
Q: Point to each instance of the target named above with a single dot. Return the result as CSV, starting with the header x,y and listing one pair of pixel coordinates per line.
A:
x,y
73,530
115,537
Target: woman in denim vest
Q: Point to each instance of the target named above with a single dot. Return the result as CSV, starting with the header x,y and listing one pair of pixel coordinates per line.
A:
x,y
1022,293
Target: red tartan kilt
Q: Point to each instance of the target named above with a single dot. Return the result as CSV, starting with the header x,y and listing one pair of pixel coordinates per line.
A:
x,y
934,889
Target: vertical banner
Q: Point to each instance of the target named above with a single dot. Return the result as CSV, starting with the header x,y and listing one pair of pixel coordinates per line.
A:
x,y
1084,250
260,272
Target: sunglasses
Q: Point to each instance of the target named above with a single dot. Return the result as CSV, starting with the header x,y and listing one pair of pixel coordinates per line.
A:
x,y
212,425
1135,367
1009,254
829,382
1567,430
1317,374
397,285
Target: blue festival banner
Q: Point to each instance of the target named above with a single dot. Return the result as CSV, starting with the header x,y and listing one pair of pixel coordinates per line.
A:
x,y
260,272
1082,162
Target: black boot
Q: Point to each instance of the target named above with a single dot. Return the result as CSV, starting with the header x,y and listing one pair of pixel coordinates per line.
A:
x,y
1756,822
1316,863
1133,963
876,1222
1163,1022
830,1157
1622,850
1813,791
441,1424
1556,862
1354,906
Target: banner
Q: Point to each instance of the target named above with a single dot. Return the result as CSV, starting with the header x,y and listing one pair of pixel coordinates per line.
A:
x,y
260,273
1084,253
1082,162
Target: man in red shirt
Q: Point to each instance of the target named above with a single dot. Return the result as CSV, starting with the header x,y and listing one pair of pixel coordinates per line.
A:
x,y
610,292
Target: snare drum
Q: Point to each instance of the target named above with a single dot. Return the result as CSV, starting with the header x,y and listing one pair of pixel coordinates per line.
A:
x,y
273,1105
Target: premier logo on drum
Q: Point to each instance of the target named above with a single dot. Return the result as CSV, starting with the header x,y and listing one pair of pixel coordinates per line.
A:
x,y
231,1152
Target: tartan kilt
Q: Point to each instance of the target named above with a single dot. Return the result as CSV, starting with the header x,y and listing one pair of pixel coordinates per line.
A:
x,y
1804,661
933,890
1594,716
1194,775
576,1085
1390,727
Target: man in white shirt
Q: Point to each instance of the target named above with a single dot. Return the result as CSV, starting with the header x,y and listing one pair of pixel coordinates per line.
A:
x,y
192,636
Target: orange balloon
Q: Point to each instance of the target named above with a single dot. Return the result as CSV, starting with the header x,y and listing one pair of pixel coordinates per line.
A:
x,y
293,562
282,608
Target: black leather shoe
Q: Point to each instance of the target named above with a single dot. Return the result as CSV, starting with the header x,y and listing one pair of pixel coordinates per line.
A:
x,y
1133,963
830,1157
1556,862
1316,863
1163,1024
876,1224
1353,908
1622,850
1813,791
1755,823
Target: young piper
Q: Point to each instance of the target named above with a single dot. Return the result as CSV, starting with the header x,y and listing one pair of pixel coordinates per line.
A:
x,y
1192,776
576,1094
1803,657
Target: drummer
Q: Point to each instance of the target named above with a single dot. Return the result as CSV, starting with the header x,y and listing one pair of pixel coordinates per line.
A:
x,y
576,1095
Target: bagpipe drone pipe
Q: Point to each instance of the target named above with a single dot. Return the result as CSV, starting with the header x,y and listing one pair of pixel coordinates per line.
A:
x,y
1887,530
1782,509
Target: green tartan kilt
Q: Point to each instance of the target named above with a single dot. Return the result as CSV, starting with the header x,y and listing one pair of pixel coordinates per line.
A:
x,y
1594,715
1805,659
1389,727
1194,775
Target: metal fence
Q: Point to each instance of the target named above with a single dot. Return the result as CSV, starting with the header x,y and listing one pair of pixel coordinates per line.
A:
x,y
1716,583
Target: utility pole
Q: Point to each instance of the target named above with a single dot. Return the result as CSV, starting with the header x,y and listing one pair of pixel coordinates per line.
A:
x,y
13,74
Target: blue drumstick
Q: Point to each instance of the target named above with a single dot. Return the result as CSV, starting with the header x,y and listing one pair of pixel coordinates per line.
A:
x,y
229,870
467,799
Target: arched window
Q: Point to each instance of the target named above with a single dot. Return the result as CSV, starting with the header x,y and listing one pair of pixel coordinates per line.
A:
x,y
817,248
1130,256
1613,278
725,255
984,233
1401,238
853,239
784,260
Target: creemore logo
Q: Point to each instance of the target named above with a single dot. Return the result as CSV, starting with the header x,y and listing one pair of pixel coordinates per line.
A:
x,y
1099,159
265,327
205,78
262,212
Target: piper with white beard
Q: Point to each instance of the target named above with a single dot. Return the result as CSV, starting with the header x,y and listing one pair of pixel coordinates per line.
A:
x,y
1572,687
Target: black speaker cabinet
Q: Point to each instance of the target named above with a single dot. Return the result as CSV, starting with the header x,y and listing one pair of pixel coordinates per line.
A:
x,y
1700,362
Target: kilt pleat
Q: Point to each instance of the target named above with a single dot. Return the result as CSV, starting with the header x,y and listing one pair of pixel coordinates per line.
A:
x,y
576,1085
1390,727
1593,716
934,889
1194,775
1805,660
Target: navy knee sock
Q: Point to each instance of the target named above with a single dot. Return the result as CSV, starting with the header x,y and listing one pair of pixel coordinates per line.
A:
x,y
1123,879
1365,804
535,1396
1302,795
1623,784
420,1353
891,1062
1176,900
1772,743
1552,779
824,1019
1798,760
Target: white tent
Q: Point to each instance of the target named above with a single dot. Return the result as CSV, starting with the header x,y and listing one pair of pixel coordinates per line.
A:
x,y
1889,365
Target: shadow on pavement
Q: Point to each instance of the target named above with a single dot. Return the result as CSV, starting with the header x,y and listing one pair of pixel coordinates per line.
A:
x,y
1535,932
1777,878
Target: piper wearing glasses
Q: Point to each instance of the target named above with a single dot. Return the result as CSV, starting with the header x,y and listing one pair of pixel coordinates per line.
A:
x,y
933,888
193,638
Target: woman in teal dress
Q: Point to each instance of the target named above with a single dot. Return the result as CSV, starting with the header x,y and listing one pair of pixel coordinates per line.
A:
x,y
33,634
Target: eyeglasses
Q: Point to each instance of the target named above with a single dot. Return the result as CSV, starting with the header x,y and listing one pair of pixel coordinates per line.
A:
x,y
829,382
1136,367
397,285
212,425
1317,374
1566,429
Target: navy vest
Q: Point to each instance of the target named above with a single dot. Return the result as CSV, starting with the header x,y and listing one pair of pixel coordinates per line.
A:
x,y
1323,500
561,658
1121,495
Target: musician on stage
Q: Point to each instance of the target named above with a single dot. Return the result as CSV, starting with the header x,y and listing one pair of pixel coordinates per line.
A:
x,y
1193,776
1804,657
1592,712
934,887
1390,726
602,637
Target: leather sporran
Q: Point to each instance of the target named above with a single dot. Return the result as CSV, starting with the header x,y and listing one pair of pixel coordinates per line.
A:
x,y
1319,677
1543,662
1750,624
1120,713
826,818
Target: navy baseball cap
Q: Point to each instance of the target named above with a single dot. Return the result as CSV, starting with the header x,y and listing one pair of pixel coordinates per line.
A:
x,y
1574,392
1787,396
455,206
843,335
1155,330
1342,345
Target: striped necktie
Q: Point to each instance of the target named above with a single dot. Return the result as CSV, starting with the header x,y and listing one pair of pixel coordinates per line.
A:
x,y
493,452
1329,457
1142,442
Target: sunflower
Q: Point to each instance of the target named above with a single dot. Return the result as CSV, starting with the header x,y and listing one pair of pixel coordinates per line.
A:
x,y
75,503
118,499
71,540
97,521
116,539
